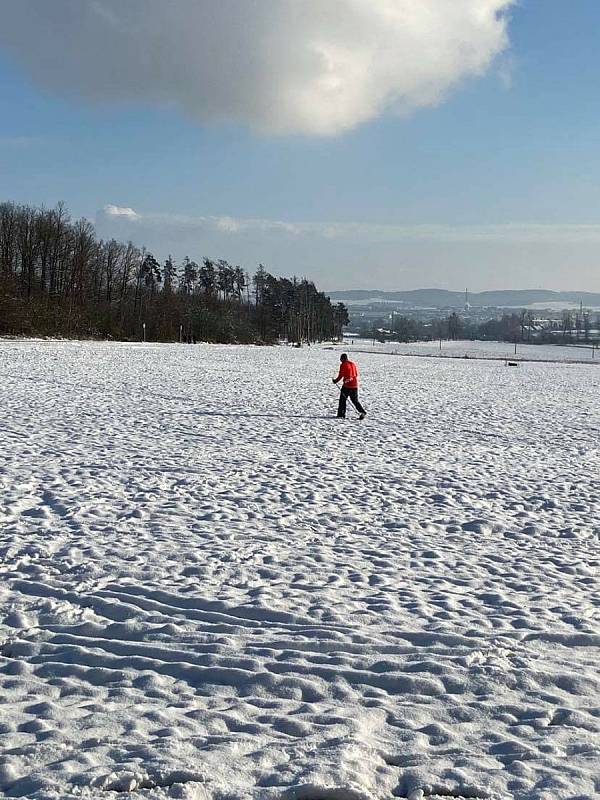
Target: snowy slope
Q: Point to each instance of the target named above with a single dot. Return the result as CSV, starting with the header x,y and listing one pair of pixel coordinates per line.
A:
x,y
211,589
585,353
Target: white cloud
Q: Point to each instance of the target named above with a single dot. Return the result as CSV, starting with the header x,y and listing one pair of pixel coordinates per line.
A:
x,y
358,255
286,66
172,225
118,211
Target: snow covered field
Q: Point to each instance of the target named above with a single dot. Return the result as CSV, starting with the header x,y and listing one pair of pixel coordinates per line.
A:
x,y
479,349
211,589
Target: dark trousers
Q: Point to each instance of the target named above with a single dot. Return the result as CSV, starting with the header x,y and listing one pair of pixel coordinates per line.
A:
x,y
353,395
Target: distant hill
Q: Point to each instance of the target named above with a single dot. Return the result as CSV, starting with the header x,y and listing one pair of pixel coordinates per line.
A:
x,y
443,298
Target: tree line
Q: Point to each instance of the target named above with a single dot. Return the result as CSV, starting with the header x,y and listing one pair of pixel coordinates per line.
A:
x,y
57,278
514,327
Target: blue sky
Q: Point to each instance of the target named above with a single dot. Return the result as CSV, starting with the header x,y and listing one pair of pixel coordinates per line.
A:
x,y
497,185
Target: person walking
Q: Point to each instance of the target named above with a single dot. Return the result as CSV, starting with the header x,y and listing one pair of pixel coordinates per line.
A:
x,y
348,374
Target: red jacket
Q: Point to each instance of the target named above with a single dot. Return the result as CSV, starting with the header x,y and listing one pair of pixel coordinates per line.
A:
x,y
349,373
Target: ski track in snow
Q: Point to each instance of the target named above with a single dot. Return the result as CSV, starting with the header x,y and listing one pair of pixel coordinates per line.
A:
x,y
211,589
